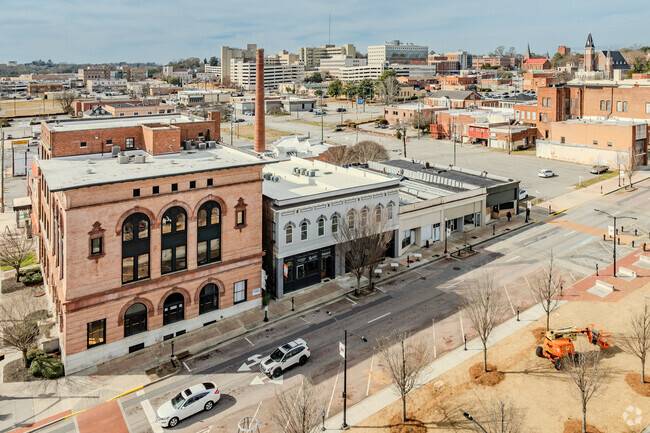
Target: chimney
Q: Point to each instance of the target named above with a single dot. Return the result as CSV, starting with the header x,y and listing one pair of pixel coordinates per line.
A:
x,y
260,138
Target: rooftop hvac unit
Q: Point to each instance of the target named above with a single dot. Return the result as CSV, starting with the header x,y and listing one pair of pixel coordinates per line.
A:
x,y
187,144
122,159
202,146
275,179
303,171
115,150
139,159
312,173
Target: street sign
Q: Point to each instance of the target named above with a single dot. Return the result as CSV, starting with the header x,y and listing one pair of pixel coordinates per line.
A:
x,y
610,231
342,349
448,231
360,101
17,142
286,271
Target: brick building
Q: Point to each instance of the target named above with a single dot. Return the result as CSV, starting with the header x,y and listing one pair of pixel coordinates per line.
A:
x,y
154,134
564,50
95,73
536,64
150,244
40,88
405,112
590,141
452,98
456,82
82,105
535,79
138,109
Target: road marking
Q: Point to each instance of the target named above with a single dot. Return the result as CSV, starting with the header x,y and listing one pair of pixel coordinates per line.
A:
x,y
380,289
455,284
509,300
188,368
140,393
258,381
353,303
303,319
514,258
329,406
205,430
527,281
372,360
249,342
462,330
258,409
533,294
277,380
151,416
380,317
567,234
574,278
433,329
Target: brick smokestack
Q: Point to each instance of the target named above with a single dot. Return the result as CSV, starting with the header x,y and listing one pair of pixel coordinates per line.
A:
x,y
260,130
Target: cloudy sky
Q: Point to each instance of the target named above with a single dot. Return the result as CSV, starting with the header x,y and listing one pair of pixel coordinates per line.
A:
x,y
139,30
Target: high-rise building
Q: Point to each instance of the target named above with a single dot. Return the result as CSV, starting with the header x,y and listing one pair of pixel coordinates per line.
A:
x,y
397,52
228,53
311,56
243,73
284,57
462,57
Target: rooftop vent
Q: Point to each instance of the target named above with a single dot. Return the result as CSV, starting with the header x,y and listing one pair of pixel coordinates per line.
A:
x,y
139,159
202,146
115,150
122,159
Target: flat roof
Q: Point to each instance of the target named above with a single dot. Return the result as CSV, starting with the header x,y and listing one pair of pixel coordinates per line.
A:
x,y
118,122
443,176
610,122
81,171
328,179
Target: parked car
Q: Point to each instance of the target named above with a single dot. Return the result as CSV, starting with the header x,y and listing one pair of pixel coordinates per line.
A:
x,y
341,110
523,194
9,136
597,169
384,126
187,403
239,120
377,125
545,173
284,357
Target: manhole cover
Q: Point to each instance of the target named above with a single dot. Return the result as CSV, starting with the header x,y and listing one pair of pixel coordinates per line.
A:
x,y
456,268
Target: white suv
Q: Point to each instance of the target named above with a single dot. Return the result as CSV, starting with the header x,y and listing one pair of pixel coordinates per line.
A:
x,y
284,357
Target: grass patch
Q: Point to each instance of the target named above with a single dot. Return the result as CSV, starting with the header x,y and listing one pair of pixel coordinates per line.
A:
x,y
600,178
30,260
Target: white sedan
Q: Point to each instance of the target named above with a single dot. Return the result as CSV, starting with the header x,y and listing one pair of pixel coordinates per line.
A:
x,y
545,173
188,402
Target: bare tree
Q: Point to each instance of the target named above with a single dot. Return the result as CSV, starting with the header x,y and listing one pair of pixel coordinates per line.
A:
x,y
587,375
275,109
547,286
15,247
388,87
367,150
637,343
422,121
66,100
633,164
18,322
298,411
499,415
483,302
379,235
337,155
364,240
405,362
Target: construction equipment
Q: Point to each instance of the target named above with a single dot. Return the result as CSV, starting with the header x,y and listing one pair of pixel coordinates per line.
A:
x,y
559,342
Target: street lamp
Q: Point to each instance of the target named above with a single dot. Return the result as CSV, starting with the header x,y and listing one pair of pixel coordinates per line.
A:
x,y
614,218
322,115
345,367
469,417
402,129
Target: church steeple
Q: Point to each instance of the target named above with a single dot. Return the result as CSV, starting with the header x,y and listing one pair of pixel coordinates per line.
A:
x,y
590,42
527,56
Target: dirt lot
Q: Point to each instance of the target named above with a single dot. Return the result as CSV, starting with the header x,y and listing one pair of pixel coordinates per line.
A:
x,y
543,396
248,131
30,108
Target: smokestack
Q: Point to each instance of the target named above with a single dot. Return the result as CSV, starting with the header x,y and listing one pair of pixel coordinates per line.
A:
x,y
260,130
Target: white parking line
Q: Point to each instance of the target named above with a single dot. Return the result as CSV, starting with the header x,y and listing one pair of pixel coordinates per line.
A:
x,y
532,294
433,329
527,281
258,409
372,360
514,258
249,342
188,368
353,303
329,406
574,278
380,317
303,319
151,416
567,234
462,330
509,300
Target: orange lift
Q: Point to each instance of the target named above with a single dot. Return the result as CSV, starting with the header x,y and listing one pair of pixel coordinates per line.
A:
x,y
559,342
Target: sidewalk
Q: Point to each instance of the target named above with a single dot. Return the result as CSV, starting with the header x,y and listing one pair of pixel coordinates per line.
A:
x,y
385,397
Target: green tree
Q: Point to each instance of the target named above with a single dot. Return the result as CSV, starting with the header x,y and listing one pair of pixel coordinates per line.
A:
x,y
151,72
365,87
174,81
557,58
335,88
317,78
350,89
213,61
318,92
205,61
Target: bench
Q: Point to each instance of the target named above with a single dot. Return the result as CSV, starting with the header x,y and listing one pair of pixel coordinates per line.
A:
x,y
605,286
394,265
627,272
417,256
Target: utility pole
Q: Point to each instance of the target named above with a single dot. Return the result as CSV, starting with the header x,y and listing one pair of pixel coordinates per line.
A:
x,y
614,218
2,140
345,379
322,115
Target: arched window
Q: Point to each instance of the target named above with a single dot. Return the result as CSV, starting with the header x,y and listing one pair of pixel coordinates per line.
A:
x,y
303,231
335,224
288,234
389,211
173,308
135,248
209,298
135,319
208,238
321,226
364,217
351,221
174,240
378,214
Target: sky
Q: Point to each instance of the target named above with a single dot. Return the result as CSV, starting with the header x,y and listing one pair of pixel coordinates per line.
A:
x,y
85,31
